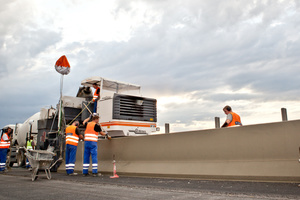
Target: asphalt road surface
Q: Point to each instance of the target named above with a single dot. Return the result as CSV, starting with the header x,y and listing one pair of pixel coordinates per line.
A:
x,y
16,184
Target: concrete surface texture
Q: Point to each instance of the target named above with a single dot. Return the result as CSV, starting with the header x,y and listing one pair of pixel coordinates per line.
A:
x,y
253,152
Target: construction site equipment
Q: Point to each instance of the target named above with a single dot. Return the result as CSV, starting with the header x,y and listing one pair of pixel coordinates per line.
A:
x,y
123,111
40,159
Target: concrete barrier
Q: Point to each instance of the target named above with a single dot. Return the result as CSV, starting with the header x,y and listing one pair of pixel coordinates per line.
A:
x,y
254,152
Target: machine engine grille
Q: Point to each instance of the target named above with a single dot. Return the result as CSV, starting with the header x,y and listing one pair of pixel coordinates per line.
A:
x,y
134,108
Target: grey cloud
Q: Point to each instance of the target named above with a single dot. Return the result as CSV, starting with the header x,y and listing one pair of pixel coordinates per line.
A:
x,y
240,55
29,45
228,97
188,58
190,112
22,97
38,41
20,38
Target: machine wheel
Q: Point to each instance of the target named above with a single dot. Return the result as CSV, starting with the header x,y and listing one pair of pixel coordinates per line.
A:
x,y
21,158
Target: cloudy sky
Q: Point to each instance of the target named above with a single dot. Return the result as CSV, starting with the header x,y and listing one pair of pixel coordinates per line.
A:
x,y
193,56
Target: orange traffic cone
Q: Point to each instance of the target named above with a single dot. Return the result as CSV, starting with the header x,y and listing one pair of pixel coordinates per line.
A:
x,y
115,171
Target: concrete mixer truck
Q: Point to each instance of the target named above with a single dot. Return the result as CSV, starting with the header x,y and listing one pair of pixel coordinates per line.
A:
x,y
21,134
25,131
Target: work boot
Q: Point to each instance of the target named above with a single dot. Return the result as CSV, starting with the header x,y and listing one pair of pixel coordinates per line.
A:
x,y
73,174
97,174
85,174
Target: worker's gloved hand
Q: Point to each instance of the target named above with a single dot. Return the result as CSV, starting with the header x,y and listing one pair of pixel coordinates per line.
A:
x,y
224,125
108,136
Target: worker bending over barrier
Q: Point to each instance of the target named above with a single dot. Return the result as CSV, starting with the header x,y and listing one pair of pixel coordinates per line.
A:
x,y
232,119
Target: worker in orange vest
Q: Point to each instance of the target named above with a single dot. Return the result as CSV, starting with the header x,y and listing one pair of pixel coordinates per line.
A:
x,y
232,119
90,144
72,137
96,96
4,146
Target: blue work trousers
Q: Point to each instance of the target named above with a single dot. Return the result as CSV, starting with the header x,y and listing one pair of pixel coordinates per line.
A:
x,y
3,154
27,163
95,107
90,148
70,158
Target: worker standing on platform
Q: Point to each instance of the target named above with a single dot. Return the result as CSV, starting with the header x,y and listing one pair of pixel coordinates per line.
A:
x,y
4,146
232,119
72,137
96,96
90,144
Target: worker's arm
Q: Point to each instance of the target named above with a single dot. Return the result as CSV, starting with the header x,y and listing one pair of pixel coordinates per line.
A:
x,y
228,120
225,124
81,137
33,144
78,133
102,133
85,121
105,134
98,129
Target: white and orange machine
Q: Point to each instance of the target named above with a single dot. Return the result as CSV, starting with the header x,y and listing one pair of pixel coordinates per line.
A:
x,y
122,109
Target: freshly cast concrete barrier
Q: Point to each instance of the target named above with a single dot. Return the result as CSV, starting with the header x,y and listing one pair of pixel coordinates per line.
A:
x,y
253,152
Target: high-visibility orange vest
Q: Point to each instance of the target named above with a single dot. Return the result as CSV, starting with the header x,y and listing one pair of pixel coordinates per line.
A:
x,y
96,95
90,134
3,143
236,120
71,136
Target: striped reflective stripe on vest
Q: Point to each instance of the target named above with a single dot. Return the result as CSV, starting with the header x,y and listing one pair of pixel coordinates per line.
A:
x,y
29,146
90,134
71,136
3,143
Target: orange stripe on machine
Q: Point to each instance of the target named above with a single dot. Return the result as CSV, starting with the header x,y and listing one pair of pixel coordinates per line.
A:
x,y
116,123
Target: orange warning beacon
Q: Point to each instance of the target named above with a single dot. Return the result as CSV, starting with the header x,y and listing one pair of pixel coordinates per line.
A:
x,y
62,65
